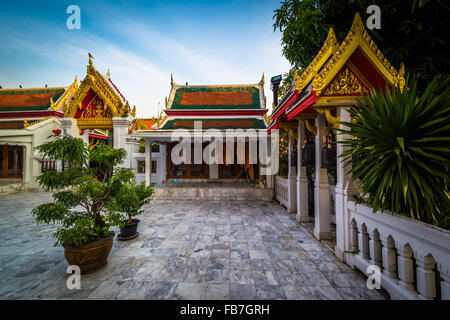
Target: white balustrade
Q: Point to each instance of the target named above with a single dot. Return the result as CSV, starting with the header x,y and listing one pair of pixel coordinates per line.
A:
x,y
414,257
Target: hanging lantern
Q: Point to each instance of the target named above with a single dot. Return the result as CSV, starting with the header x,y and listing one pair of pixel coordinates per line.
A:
x,y
309,154
329,154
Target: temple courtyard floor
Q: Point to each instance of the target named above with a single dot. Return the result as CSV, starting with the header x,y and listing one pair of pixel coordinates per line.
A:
x,y
185,250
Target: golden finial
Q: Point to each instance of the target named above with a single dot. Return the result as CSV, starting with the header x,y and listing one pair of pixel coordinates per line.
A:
x,y
171,80
90,59
52,104
357,23
133,112
263,81
166,102
108,74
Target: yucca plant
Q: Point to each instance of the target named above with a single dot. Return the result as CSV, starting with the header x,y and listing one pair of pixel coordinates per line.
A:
x,y
399,149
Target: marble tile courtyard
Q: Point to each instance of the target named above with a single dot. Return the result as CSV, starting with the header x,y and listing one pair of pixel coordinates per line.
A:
x,y
185,250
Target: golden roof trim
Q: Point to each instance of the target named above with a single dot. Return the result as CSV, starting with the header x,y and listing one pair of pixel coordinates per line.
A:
x,y
329,47
358,37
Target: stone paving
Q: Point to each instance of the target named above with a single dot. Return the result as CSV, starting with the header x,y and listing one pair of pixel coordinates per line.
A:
x,y
185,250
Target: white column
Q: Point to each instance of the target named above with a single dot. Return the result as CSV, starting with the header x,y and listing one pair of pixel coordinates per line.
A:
x,y
163,151
148,161
344,191
85,136
69,127
321,187
120,128
426,283
302,179
292,186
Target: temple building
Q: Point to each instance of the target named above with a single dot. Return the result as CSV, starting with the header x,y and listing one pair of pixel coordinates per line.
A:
x,y
202,112
320,97
27,117
94,110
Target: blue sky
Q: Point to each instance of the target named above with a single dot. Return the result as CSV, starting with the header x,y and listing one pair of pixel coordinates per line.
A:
x,y
142,43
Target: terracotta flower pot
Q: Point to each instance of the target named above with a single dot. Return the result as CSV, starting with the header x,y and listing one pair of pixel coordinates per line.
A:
x,y
92,256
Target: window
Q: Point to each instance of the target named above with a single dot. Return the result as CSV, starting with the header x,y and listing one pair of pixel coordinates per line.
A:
x,y
155,147
12,161
154,163
141,167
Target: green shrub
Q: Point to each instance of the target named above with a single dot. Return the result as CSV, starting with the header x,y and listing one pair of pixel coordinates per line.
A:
x,y
400,150
87,201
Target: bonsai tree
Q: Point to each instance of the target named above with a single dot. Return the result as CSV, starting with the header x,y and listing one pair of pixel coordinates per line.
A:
x,y
399,149
83,200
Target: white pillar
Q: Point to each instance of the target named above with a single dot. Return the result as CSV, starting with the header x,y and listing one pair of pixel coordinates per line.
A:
x,y
344,191
69,127
426,283
292,186
302,179
148,161
321,187
120,129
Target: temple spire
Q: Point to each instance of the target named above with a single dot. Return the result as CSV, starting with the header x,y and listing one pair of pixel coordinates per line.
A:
x,y
90,58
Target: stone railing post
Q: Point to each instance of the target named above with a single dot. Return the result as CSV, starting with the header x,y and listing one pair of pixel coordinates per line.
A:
x,y
405,268
375,248
426,278
389,259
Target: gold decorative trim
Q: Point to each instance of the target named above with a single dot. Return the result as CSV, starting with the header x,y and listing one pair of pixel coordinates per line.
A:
x,y
92,123
330,118
328,48
293,133
103,89
62,101
267,118
27,124
346,82
310,127
358,37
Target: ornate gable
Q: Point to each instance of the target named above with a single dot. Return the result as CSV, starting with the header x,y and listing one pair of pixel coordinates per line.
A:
x,y
109,96
346,83
356,38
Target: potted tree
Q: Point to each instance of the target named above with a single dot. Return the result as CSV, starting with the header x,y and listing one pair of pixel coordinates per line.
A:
x,y
130,203
82,199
